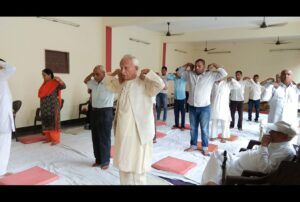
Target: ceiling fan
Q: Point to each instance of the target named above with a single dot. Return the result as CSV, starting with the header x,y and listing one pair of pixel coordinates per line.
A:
x,y
219,52
206,50
169,33
264,24
278,42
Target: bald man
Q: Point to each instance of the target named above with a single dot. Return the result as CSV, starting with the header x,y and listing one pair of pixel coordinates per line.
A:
x,y
283,99
101,117
133,125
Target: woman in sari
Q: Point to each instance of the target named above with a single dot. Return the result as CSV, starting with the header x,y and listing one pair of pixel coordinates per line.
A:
x,y
50,101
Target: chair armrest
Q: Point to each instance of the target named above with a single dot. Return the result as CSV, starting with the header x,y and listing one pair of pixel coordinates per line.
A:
x,y
82,104
240,180
250,173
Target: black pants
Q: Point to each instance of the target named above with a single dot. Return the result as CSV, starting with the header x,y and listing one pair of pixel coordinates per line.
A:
x,y
101,123
179,107
256,104
89,114
236,105
186,101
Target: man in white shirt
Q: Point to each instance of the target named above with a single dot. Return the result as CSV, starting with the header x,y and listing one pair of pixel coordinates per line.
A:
x,y
162,96
275,147
6,115
237,100
101,116
255,90
283,99
201,83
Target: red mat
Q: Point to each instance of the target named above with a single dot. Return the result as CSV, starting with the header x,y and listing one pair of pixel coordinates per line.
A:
x,y
188,126
211,147
112,151
232,137
160,123
32,176
174,165
31,138
160,135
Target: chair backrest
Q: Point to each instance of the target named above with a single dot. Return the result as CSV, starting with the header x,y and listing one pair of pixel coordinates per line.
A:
x,y
16,106
62,103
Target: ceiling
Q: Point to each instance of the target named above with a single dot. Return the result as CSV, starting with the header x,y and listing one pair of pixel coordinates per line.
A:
x,y
213,29
180,25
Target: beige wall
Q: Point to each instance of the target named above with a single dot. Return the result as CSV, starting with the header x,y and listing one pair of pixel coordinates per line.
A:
x,y
253,57
175,58
149,56
23,42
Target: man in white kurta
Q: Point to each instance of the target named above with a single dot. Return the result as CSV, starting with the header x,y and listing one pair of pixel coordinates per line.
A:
x,y
133,123
275,147
220,107
283,100
6,115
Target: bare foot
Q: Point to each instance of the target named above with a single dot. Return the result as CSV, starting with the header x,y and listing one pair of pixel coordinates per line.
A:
x,y
205,153
190,149
104,167
46,141
223,140
96,165
174,127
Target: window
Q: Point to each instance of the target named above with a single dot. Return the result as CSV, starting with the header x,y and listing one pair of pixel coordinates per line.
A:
x,y
57,61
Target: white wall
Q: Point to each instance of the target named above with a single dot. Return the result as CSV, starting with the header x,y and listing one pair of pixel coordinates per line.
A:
x,y
149,56
23,42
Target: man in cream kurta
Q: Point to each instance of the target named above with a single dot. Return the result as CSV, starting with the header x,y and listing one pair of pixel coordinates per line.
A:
x,y
6,115
133,123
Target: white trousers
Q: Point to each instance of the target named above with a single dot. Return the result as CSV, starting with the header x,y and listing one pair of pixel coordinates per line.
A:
x,y
129,178
224,126
5,143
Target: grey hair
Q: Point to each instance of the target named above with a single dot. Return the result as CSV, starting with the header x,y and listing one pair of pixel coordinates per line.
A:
x,y
130,57
101,67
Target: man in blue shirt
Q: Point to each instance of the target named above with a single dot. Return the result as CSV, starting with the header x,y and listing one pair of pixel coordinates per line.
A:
x,y
179,102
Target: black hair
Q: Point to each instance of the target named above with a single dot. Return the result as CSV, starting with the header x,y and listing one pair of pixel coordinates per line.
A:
x,y
2,60
256,75
200,60
177,69
164,67
239,71
49,72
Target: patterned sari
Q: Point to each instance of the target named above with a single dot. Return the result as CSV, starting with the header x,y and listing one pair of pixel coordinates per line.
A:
x,y
50,104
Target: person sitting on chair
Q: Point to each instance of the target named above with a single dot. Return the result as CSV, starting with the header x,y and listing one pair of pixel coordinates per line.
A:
x,y
275,147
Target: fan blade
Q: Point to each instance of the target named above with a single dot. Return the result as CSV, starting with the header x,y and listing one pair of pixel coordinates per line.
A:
x,y
284,42
219,52
178,34
211,49
289,49
277,25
